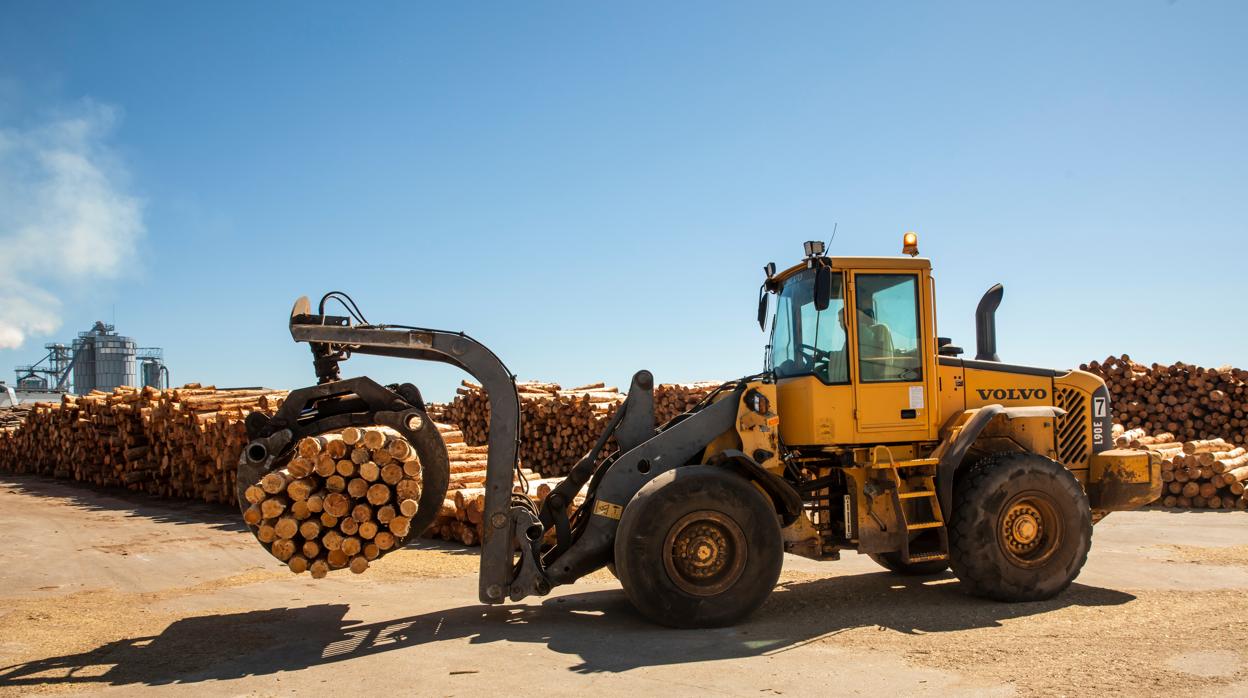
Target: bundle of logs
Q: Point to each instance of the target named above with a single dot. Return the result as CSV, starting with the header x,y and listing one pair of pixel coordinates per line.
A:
x,y
343,500
559,426
1198,474
347,498
1190,402
182,442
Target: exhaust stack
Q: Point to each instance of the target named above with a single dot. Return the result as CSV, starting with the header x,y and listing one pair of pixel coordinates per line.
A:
x,y
986,324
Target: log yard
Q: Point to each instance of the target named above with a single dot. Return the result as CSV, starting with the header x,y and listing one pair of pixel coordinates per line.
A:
x,y
623,349
349,478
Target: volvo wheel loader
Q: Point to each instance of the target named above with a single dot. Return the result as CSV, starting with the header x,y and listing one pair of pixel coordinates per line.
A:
x,y
865,431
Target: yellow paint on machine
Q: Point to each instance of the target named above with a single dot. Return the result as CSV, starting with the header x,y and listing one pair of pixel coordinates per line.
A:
x,y
815,413
881,384
1124,479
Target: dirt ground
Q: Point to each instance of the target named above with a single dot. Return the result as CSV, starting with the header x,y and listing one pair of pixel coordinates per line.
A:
x,y
111,594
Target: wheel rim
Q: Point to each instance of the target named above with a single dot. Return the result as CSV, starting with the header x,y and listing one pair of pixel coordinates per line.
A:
x,y
704,553
1030,530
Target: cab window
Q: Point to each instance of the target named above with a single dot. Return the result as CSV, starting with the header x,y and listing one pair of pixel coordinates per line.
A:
x,y
887,307
805,341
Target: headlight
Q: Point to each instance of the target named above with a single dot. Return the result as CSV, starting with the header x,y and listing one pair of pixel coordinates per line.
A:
x,y
757,402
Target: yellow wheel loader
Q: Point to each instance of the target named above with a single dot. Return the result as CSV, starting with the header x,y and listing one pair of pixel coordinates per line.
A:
x,y
865,431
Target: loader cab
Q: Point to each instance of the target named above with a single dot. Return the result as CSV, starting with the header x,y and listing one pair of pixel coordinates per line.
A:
x,y
862,369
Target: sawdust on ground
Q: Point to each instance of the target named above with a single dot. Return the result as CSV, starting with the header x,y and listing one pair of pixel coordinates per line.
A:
x,y
1230,556
423,561
86,629
89,630
1086,641
431,560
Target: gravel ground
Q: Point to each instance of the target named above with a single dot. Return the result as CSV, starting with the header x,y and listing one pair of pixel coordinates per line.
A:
x,y
104,593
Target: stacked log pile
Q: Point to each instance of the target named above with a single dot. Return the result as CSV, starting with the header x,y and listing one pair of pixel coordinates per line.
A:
x,y
12,417
185,443
672,399
462,513
460,519
558,426
1198,474
1190,402
437,411
182,442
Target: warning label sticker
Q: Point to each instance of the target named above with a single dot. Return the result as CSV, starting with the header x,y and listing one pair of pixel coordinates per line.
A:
x,y
916,397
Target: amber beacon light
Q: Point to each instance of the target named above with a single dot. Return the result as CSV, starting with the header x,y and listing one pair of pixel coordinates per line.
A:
x,y
910,244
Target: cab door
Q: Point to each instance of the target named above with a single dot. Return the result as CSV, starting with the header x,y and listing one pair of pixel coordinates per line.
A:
x,y
891,374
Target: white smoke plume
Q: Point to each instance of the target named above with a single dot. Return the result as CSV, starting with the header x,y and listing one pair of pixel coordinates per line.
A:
x,y
65,216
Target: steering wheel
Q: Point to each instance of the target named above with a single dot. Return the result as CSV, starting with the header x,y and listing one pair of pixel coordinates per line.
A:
x,y
814,355
908,374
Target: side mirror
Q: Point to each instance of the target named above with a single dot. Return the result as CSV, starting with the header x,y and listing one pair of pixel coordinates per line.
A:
x,y
762,308
823,288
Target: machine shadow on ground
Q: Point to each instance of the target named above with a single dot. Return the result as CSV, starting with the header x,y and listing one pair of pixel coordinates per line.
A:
x,y
600,628
222,517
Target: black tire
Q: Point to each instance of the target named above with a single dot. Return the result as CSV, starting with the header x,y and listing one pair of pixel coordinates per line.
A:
x,y
701,510
1020,529
893,563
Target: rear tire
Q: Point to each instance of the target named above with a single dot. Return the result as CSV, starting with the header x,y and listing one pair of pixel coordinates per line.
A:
x,y
698,546
1020,529
893,563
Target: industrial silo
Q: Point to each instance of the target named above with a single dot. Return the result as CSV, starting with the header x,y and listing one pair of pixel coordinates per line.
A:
x,y
152,367
84,363
151,374
114,361
104,360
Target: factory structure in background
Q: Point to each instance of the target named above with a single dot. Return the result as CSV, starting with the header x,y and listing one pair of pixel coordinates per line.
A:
x,y
99,359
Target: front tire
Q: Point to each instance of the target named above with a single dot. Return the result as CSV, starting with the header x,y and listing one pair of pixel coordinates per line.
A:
x,y
1020,529
698,546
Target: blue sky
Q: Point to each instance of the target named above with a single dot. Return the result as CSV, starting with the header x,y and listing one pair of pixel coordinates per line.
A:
x,y
593,189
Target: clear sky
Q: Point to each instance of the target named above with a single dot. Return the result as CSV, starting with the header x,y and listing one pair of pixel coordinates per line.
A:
x,y
591,189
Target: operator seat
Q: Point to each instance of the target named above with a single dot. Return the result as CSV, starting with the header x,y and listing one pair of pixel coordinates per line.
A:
x,y
875,346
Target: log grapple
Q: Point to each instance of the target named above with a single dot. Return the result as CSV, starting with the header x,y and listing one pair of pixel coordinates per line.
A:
x,y
518,558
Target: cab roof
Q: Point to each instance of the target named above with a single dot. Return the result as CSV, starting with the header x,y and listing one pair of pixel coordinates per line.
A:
x,y
855,263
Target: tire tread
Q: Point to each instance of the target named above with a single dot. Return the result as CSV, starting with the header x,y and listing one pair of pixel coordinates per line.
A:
x,y
973,568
